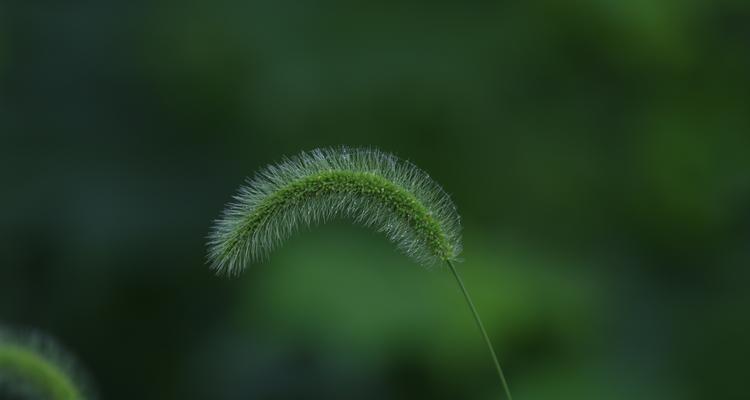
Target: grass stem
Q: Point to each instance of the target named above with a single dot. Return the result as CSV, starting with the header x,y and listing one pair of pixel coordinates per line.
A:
x,y
481,328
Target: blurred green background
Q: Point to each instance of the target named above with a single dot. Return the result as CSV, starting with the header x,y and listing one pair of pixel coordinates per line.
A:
x,y
598,151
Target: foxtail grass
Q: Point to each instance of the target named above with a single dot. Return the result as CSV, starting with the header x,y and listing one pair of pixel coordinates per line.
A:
x,y
370,187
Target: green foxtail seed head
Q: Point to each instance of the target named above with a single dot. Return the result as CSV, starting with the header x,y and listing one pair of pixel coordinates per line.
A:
x,y
34,366
371,187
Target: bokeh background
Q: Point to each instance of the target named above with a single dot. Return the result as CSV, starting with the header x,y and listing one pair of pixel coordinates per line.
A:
x,y
598,151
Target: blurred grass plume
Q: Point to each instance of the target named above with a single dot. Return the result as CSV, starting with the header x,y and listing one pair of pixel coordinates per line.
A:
x,y
35,366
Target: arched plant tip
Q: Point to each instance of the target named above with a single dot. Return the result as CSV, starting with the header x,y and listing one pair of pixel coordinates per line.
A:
x,y
372,188
35,366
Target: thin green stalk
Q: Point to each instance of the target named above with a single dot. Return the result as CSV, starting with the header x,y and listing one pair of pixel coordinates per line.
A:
x,y
481,328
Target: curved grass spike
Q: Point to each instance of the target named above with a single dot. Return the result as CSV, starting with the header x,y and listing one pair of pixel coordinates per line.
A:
x,y
35,366
371,187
